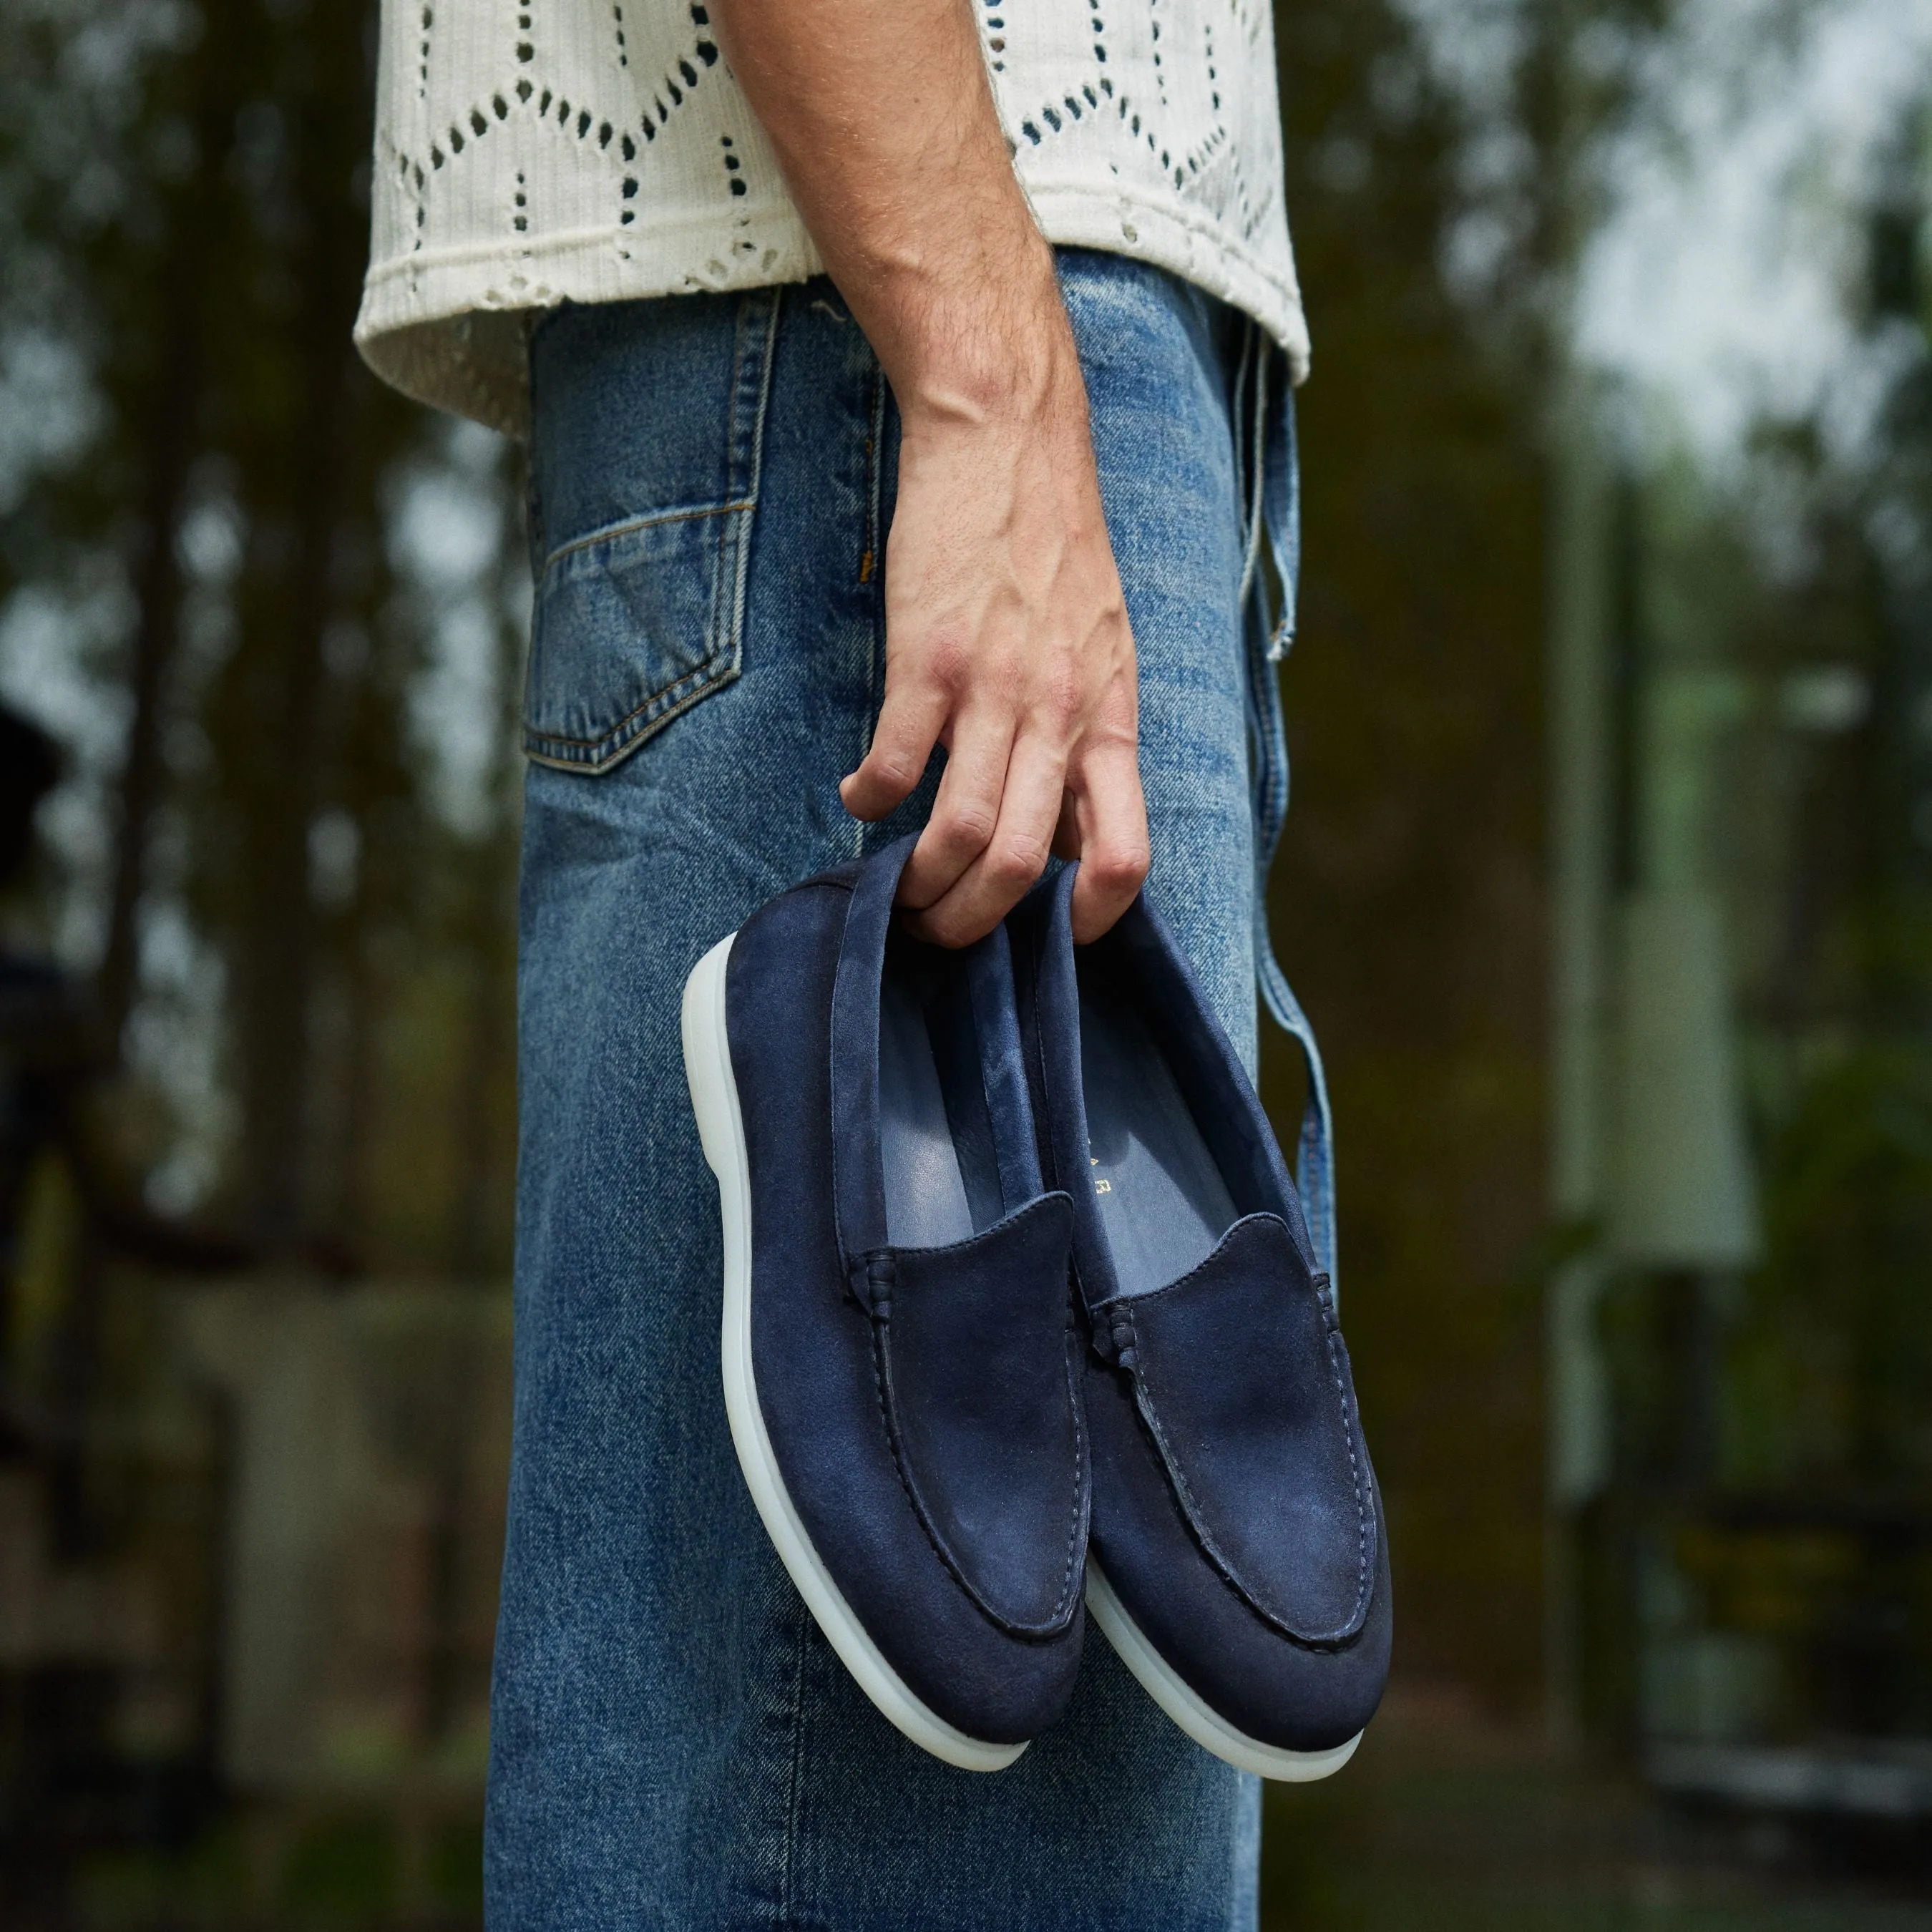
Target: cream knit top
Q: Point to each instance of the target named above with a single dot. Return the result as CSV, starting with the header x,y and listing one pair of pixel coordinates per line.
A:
x,y
530,152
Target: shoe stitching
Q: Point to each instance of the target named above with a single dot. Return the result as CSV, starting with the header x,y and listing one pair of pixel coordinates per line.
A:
x,y
880,1380
1129,1302
1350,1428
1316,1645
1129,1360
1056,1623
1144,1401
879,1315
1076,1407
1082,1485
1320,1646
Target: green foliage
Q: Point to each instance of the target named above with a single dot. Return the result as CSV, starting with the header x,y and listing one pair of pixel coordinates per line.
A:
x,y
1830,1359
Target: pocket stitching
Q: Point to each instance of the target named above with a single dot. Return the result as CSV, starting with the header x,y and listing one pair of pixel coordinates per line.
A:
x,y
630,525
720,666
622,737
723,661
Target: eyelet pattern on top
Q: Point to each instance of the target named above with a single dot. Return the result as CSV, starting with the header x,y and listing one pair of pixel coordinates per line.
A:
x,y
528,153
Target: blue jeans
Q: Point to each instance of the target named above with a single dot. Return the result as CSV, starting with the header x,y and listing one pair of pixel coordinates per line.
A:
x,y
673,1743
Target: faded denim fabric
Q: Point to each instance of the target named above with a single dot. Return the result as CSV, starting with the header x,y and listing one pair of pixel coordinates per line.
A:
x,y
674,1745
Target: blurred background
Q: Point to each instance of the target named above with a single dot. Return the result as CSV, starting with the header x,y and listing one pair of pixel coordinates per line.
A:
x,y
1608,881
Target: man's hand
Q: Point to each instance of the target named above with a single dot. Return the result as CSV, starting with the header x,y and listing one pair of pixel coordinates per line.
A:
x,y
1007,642
1007,637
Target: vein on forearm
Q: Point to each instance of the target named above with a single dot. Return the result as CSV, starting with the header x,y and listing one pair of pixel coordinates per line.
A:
x,y
883,122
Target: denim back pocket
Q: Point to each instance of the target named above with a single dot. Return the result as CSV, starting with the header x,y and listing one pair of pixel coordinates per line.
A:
x,y
647,428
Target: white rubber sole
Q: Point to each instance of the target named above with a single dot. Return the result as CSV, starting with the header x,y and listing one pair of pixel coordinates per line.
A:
x,y
721,1126
1211,1731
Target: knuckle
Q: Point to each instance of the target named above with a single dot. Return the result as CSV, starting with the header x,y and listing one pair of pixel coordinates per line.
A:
x,y
948,659
892,769
1119,868
1060,701
1017,860
967,825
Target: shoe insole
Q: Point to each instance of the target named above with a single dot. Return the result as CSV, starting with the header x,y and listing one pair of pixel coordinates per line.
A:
x,y
1163,1203
935,1134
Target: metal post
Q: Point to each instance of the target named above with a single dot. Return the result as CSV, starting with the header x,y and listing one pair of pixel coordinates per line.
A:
x,y
1581,832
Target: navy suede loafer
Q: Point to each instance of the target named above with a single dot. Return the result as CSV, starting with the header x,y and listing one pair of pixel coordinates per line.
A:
x,y
1238,1561
902,1361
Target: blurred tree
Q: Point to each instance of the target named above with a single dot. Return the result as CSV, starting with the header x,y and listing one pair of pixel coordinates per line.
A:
x,y
294,897
188,198
161,374
310,433
1407,903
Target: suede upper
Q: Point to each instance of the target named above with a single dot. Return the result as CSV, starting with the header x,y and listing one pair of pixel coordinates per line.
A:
x,y
983,1414
1240,1376
1235,1511
922,1403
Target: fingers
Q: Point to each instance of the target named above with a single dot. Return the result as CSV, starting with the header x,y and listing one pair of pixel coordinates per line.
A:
x,y
966,810
1066,833
997,878
1103,823
909,722
1110,815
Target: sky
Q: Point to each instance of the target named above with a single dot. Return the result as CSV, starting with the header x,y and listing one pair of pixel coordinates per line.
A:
x,y
1722,282
1726,279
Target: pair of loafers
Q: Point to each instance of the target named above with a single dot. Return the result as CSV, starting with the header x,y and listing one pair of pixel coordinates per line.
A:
x,y
1021,1320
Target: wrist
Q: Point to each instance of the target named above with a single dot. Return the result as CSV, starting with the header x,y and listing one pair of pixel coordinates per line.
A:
x,y
989,346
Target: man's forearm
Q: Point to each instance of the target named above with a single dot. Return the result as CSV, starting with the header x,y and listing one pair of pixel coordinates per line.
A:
x,y
1007,640
884,124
